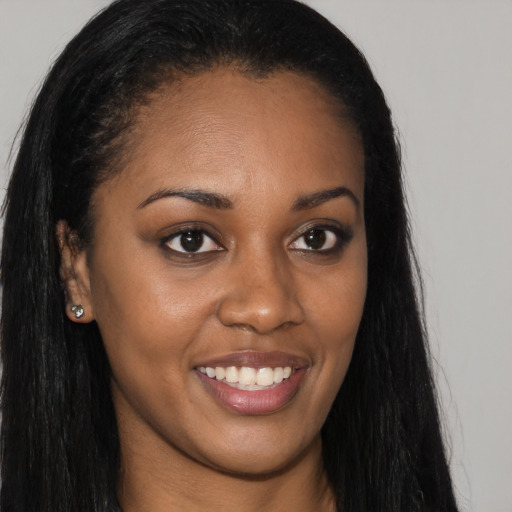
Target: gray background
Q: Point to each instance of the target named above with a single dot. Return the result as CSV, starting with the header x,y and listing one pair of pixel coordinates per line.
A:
x,y
446,68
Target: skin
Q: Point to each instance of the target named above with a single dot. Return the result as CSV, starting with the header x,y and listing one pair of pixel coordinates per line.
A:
x,y
261,143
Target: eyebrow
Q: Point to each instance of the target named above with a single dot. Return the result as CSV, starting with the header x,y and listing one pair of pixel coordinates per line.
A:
x,y
221,202
310,201
210,199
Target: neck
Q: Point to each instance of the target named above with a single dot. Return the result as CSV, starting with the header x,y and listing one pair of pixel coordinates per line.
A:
x,y
168,480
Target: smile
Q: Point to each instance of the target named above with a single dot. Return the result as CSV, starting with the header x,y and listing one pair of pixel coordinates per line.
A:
x,y
248,378
253,383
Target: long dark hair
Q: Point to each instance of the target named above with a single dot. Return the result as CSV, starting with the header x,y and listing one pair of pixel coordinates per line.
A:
x,y
383,449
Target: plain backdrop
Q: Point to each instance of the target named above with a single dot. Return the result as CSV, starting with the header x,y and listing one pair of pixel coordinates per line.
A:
x,y
446,69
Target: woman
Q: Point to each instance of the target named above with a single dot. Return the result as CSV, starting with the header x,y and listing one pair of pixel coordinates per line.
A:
x,y
208,281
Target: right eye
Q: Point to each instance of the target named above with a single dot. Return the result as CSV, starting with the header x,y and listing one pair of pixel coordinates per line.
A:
x,y
191,241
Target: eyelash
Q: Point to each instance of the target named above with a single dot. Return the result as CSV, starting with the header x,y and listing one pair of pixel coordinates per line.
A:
x,y
336,235
188,230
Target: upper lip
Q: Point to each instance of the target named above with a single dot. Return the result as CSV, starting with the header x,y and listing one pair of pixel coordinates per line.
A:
x,y
254,359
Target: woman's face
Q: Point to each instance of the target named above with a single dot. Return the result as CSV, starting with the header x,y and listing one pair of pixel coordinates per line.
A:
x,y
228,270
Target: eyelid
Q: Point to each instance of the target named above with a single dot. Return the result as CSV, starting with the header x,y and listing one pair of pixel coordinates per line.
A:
x,y
331,241
343,234
186,228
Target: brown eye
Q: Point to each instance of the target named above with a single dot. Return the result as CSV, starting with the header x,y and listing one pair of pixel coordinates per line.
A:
x,y
316,239
191,241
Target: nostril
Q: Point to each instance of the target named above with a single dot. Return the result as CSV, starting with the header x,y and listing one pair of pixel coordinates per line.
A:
x,y
261,310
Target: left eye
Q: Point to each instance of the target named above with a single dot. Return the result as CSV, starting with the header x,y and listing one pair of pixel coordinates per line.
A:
x,y
192,241
316,239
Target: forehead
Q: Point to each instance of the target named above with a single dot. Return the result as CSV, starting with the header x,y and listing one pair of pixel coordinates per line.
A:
x,y
227,130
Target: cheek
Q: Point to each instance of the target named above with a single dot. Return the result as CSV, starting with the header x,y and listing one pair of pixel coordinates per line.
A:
x,y
149,319
339,297
147,315
336,312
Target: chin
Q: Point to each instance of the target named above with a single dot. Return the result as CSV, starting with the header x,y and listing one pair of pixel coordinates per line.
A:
x,y
257,467
262,460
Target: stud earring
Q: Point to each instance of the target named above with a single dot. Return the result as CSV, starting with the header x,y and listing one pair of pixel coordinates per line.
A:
x,y
78,309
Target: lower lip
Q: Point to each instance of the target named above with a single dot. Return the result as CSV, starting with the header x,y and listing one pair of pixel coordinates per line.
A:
x,y
264,401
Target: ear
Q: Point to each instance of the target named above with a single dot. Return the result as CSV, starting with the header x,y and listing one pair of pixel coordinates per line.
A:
x,y
74,274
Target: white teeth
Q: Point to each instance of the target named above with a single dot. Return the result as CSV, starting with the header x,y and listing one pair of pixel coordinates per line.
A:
x,y
265,377
278,375
248,378
231,374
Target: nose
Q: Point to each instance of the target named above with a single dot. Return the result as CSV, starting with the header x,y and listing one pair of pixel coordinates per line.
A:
x,y
260,295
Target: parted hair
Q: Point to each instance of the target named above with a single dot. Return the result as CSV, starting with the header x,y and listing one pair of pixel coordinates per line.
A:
x,y
382,443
